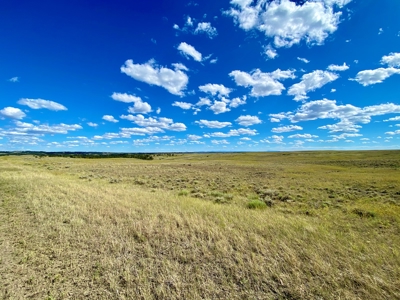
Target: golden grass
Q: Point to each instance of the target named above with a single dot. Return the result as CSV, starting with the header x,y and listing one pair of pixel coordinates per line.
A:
x,y
114,229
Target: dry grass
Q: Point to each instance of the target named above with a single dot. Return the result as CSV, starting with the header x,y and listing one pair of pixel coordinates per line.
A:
x,y
179,227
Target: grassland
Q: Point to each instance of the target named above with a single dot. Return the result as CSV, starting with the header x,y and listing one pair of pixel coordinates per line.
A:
x,y
301,225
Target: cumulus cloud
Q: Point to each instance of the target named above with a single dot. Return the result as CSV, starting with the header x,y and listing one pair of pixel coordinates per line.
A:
x,y
392,60
62,128
139,107
160,123
125,98
203,102
174,81
310,82
91,124
369,77
219,107
397,118
215,89
12,113
110,119
262,84
179,66
286,128
270,52
302,136
348,115
393,132
206,28
339,68
275,139
183,105
40,103
193,137
220,142
234,132
213,124
248,120
237,101
14,79
287,22
189,51
304,60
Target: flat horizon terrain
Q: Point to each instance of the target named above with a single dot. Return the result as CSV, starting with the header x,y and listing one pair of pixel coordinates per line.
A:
x,y
271,225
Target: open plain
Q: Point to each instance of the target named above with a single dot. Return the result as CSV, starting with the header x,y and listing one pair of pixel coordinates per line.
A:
x,y
295,225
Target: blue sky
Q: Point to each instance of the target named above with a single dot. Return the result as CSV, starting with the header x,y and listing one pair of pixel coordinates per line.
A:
x,y
160,76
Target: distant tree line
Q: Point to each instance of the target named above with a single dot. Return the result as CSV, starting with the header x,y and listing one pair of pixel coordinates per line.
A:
x,y
92,155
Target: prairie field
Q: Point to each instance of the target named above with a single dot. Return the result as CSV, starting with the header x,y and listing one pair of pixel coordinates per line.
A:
x,y
295,225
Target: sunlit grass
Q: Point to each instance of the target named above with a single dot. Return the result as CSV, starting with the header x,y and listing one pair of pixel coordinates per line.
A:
x,y
128,229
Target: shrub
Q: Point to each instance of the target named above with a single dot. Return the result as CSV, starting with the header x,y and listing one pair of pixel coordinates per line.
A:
x,y
256,204
363,214
183,193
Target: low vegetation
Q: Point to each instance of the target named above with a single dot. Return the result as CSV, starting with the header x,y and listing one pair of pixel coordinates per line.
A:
x,y
301,225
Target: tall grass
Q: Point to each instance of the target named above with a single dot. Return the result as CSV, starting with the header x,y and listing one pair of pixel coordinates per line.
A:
x,y
63,237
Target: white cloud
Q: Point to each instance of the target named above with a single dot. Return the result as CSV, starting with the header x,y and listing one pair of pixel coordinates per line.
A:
x,y
344,67
139,106
127,132
393,132
183,105
220,142
215,89
189,22
203,101
275,139
193,137
270,52
287,22
263,84
234,132
40,103
248,120
219,107
237,101
125,98
392,60
12,112
304,60
286,128
179,66
348,115
62,128
333,90
91,124
311,82
214,61
109,118
397,118
161,123
369,77
213,124
206,28
158,111
189,51
174,81
302,136
380,31
14,79
344,136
